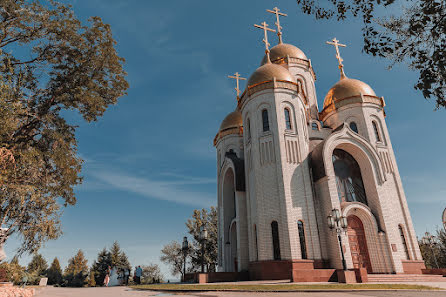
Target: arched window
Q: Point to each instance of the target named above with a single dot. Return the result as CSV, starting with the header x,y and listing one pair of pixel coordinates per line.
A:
x,y
276,243
248,129
303,247
354,127
375,128
348,177
265,120
403,240
314,126
287,119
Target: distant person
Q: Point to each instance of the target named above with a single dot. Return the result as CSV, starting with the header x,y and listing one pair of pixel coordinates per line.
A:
x,y
126,276
138,274
107,276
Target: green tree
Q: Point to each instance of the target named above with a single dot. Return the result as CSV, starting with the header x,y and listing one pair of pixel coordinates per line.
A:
x,y
38,265
208,219
151,274
76,273
91,279
118,257
100,266
435,254
54,273
172,256
416,35
51,65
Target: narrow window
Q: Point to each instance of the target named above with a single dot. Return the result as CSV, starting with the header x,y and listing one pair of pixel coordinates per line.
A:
x,y
303,247
354,127
403,240
265,120
276,243
375,127
248,129
256,247
314,126
287,119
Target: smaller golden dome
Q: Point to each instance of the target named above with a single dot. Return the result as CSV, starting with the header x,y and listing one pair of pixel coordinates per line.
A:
x,y
345,88
232,120
267,72
282,50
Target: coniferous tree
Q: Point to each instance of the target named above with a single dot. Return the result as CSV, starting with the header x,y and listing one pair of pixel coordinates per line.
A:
x,y
100,266
76,273
54,273
38,265
118,257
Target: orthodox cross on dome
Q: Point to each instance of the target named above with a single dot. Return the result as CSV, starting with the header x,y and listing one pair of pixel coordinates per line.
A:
x,y
237,77
277,12
336,44
265,29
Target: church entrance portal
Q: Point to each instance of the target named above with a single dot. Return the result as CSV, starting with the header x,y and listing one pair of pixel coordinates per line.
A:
x,y
358,244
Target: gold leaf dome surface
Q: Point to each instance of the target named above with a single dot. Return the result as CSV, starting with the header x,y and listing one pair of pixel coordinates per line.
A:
x,y
232,120
345,88
282,50
267,72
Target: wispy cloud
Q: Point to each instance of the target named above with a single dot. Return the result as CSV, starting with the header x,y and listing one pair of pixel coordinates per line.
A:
x,y
168,190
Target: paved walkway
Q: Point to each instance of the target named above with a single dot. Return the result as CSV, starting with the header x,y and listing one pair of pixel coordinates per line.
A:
x,y
126,292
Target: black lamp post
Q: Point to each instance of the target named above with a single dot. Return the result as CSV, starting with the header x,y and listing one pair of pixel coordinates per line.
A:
x,y
338,222
431,241
203,238
184,249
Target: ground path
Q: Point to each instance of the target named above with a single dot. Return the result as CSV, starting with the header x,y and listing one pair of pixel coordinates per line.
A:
x,y
127,292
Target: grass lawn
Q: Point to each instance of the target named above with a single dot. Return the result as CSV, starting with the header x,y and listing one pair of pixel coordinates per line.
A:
x,y
279,288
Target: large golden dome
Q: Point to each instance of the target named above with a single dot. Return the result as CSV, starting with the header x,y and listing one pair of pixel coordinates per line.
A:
x,y
282,50
345,88
267,72
232,120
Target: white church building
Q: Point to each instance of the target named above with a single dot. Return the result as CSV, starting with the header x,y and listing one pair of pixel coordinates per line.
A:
x,y
284,164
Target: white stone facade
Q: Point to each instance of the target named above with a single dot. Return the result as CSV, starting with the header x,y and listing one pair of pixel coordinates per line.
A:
x,y
287,174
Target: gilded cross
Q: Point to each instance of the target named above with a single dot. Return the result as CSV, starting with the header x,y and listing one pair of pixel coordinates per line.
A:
x,y
277,12
265,29
237,77
336,44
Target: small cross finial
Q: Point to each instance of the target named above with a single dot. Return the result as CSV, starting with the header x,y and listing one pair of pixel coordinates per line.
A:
x,y
237,77
336,44
265,29
277,12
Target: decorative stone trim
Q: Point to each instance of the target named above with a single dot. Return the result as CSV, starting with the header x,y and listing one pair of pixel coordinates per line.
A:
x,y
351,100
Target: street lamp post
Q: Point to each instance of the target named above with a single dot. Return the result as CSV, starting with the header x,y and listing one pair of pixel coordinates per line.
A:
x,y
431,241
338,222
203,238
184,249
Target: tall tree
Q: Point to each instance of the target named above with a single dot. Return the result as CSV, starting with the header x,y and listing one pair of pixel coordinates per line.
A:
x,y
38,265
51,64
54,273
417,35
100,266
208,219
76,273
435,254
118,257
172,256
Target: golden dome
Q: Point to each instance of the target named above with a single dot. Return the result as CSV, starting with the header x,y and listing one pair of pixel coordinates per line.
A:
x,y
345,88
282,50
267,72
232,120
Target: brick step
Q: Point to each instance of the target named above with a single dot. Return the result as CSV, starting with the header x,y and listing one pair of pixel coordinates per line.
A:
x,y
405,278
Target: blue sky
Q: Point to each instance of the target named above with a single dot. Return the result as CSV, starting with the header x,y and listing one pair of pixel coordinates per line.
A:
x,y
149,162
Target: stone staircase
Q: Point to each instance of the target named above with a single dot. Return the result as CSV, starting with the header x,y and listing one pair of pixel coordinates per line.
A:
x,y
393,278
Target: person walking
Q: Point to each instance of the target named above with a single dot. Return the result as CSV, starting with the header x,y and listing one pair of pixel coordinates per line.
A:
x,y
107,276
138,274
126,276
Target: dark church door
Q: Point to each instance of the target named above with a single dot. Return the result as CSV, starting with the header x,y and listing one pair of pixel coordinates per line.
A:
x,y
358,244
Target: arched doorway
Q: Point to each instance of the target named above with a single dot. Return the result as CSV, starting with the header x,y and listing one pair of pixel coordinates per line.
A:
x,y
229,218
358,244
